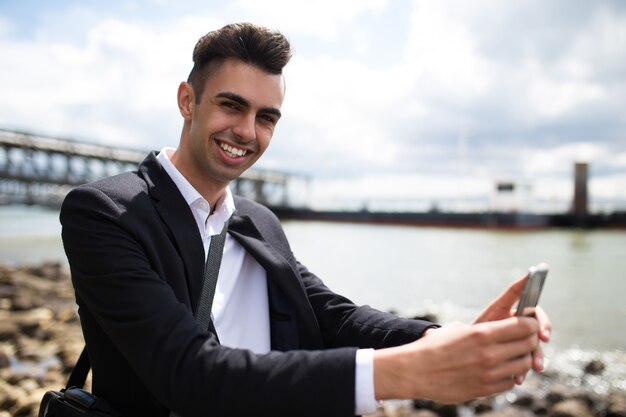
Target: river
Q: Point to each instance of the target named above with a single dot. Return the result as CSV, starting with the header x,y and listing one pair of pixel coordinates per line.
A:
x,y
452,273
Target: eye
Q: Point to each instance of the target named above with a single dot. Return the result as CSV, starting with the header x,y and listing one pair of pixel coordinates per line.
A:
x,y
268,118
229,105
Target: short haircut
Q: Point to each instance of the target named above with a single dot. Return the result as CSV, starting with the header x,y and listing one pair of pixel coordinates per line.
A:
x,y
256,45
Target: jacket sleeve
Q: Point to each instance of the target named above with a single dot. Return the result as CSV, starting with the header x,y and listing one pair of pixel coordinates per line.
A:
x,y
345,324
181,364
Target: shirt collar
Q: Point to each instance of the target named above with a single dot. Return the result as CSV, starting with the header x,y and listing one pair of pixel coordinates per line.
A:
x,y
224,207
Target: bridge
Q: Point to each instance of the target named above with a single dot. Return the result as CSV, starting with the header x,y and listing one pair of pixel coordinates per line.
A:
x,y
40,170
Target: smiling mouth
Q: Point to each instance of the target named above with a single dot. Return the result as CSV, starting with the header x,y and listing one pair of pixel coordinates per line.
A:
x,y
232,151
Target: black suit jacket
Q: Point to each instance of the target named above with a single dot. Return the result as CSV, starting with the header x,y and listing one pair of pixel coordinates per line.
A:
x,y
136,259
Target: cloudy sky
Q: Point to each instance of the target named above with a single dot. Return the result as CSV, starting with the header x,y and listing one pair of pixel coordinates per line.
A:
x,y
389,103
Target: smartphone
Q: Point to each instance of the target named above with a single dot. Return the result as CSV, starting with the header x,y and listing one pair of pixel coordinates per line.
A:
x,y
532,289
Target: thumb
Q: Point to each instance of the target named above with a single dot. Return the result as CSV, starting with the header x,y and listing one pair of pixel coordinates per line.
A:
x,y
501,306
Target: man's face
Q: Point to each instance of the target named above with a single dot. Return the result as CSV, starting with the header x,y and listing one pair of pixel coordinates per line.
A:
x,y
234,122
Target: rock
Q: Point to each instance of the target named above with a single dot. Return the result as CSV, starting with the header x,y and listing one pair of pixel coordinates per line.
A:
x,y
9,330
443,410
594,367
29,384
27,409
540,407
594,401
4,360
525,401
508,412
617,405
49,270
424,413
571,408
557,394
23,301
69,353
9,395
481,405
67,315
34,323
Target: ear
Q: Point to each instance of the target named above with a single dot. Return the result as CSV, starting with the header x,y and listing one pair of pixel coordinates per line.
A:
x,y
186,100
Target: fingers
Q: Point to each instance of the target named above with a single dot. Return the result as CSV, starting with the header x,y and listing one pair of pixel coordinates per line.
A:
x,y
518,367
545,325
499,379
538,359
518,348
508,330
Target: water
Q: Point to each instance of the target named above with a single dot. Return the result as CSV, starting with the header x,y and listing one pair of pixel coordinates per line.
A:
x,y
30,234
451,272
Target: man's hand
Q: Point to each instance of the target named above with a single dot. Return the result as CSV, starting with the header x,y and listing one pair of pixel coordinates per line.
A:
x,y
501,308
460,362
457,362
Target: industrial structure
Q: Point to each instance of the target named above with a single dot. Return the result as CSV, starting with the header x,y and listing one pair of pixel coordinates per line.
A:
x,y
40,170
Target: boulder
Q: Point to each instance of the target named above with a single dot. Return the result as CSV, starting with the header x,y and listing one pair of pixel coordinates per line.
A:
x,y
594,367
571,408
9,330
423,413
481,405
508,412
4,360
443,410
525,401
9,395
616,405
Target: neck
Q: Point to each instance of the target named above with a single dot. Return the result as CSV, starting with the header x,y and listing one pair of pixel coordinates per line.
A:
x,y
209,190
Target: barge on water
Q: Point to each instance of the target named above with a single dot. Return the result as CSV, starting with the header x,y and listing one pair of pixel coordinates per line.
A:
x,y
507,214
495,220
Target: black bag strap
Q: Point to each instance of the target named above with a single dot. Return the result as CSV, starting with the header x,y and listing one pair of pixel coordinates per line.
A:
x,y
78,376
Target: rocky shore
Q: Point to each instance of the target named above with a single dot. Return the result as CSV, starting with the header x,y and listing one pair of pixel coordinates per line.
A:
x,y
40,340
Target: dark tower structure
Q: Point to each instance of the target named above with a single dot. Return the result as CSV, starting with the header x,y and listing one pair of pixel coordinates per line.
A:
x,y
580,202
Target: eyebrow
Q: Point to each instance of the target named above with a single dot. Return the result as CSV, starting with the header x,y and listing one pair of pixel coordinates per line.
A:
x,y
244,102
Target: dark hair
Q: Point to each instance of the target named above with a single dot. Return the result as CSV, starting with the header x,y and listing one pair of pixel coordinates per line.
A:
x,y
264,48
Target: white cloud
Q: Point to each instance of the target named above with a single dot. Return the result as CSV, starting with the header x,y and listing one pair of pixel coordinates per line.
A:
x,y
320,18
539,89
108,87
609,187
561,159
441,53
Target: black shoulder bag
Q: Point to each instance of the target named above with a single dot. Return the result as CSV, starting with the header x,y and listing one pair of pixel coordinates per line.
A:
x,y
74,401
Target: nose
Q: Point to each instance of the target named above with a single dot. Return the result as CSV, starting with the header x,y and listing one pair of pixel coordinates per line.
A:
x,y
245,128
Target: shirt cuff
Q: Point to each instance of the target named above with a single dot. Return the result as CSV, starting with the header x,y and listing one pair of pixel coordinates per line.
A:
x,y
364,395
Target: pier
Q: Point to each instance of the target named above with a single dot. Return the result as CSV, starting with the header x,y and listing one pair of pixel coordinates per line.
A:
x,y
40,170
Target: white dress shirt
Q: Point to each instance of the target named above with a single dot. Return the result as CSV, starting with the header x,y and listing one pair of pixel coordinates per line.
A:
x,y
240,309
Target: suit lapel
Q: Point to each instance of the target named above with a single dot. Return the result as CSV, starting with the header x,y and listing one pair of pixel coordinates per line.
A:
x,y
178,218
281,274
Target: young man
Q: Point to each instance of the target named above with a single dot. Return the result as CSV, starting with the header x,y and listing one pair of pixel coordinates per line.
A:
x,y
287,345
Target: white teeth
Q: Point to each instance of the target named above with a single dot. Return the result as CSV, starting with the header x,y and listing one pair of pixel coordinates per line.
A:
x,y
232,151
